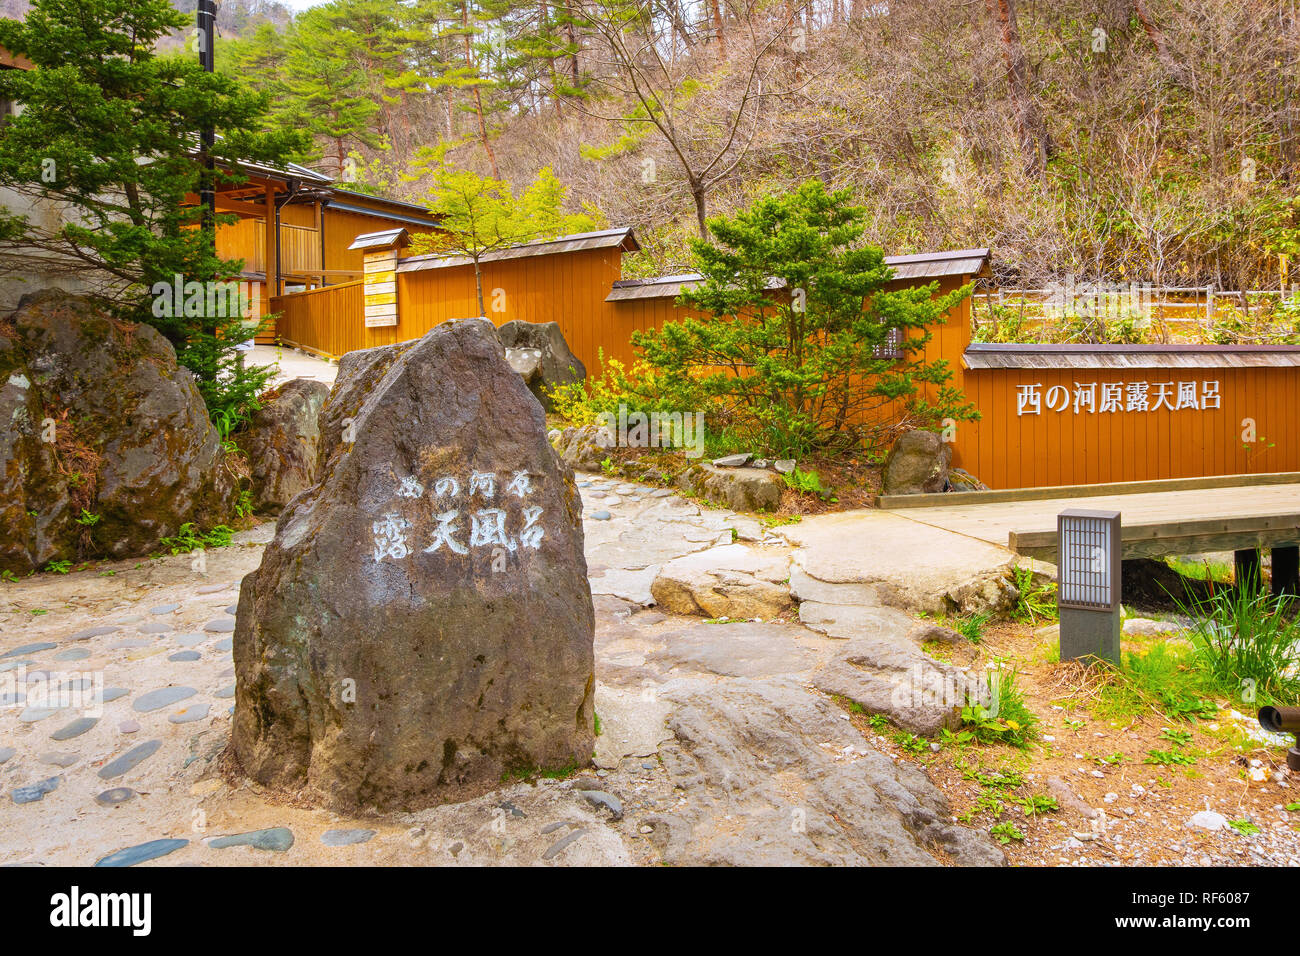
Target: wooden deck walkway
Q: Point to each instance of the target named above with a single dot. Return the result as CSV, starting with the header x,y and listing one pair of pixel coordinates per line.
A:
x,y
1158,518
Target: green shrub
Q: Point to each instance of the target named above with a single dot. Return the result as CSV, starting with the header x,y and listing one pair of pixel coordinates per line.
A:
x,y
785,351
1248,642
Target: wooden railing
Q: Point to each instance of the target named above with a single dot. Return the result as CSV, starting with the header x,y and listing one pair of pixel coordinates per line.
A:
x,y
326,321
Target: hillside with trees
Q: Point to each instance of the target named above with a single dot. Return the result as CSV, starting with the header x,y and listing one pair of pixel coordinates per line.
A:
x,y
1128,140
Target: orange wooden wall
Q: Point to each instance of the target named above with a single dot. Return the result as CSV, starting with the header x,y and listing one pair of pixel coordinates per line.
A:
x,y
1002,449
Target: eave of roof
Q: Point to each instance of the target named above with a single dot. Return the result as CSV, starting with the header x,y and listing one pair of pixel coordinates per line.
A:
x,y
983,355
608,239
928,265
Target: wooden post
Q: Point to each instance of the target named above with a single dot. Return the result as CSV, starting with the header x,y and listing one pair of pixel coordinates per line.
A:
x,y
379,274
272,245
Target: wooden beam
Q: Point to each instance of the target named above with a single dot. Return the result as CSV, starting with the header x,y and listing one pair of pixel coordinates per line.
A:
x,y
1165,538
949,498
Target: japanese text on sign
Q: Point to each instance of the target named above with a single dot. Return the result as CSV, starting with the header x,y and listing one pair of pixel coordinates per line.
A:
x,y
1110,397
459,528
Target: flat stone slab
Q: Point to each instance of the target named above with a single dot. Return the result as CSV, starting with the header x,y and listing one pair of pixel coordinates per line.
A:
x,y
36,791
155,627
162,697
225,644
30,649
142,853
220,626
163,608
98,631
275,839
113,693
212,588
6,753
182,656
191,639
111,798
345,837
74,729
631,725
129,760
915,566
189,714
31,715
226,692
72,654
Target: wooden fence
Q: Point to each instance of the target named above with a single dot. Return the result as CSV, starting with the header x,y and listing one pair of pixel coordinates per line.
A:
x,y
324,321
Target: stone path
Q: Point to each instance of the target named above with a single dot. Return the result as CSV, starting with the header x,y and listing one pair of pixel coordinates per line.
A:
x,y
719,743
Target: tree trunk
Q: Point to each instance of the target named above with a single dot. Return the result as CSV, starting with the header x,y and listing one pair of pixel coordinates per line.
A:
x,y
1029,119
573,45
716,7
1173,70
697,194
478,103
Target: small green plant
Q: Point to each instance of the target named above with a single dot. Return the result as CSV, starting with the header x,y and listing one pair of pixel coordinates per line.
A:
x,y
1169,758
911,743
1179,738
9,576
879,722
1036,601
595,717
1000,715
805,482
1036,804
59,567
971,626
1110,760
244,504
86,519
1005,832
1244,827
188,538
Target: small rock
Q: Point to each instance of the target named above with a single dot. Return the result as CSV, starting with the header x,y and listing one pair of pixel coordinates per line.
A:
x,y
599,516
74,729
275,839
36,791
600,798
142,853
345,837
129,727
732,461
784,466
1208,820
111,798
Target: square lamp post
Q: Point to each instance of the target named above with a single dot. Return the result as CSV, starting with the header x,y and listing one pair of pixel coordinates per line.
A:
x,y
1088,583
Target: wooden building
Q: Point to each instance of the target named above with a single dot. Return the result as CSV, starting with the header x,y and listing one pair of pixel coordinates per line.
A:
x,y
296,228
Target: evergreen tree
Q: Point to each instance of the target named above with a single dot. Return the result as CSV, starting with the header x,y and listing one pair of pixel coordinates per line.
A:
x,y
110,135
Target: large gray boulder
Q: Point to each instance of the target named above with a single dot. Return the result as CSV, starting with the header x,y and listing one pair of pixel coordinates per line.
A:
x,y
918,464
282,441
107,447
421,625
541,356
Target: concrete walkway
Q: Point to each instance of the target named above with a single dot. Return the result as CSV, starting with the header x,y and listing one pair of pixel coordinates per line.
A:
x,y
292,364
